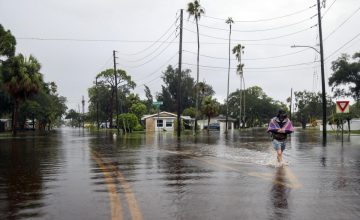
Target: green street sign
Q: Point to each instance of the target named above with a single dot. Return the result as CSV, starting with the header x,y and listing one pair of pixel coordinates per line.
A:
x,y
157,104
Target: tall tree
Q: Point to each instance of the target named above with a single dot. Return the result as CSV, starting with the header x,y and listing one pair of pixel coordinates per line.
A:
x,y
238,50
125,84
210,108
347,74
169,90
22,78
229,21
7,43
196,10
149,98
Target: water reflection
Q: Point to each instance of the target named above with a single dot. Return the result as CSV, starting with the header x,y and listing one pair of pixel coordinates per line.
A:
x,y
279,195
26,166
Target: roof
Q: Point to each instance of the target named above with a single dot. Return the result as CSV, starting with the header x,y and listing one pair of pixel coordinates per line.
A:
x,y
161,115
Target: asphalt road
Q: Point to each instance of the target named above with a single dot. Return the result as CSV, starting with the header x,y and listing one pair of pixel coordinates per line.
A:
x,y
76,174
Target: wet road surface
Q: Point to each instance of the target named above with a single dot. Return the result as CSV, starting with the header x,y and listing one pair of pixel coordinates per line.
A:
x,y
76,174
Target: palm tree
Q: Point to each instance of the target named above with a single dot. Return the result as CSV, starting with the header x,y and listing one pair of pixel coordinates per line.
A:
x,y
210,108
238,50
228,21
195,9
22,79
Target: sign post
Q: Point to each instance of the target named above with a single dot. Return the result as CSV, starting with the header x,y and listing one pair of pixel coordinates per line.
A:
x,y
157,104
341,108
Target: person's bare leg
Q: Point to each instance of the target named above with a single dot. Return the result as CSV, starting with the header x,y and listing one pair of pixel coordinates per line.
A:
x,y
279,155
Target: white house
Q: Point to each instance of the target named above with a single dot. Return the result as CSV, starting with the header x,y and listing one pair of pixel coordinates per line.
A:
x,y
354,125
163,121
220,120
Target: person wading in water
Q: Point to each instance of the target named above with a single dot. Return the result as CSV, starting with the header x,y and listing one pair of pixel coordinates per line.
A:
x,y
279,127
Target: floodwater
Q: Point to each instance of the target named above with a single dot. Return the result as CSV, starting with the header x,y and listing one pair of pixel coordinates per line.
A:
x,y
77,174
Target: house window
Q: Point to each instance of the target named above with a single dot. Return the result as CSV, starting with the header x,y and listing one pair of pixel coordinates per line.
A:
x,y
169,124
159,123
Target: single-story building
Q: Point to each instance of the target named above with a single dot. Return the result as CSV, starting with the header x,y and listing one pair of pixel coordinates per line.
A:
x,y
220,120
163,121
354,125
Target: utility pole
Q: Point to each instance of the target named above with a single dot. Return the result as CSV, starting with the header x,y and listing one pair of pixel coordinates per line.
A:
x,y
83,114
322,73
179,77
228,21
116,94
97,103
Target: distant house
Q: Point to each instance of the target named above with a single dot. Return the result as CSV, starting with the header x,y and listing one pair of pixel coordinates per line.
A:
x,y
219,120
163,121
354,125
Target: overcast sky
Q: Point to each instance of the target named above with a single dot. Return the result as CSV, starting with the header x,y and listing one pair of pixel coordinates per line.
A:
x,y
144,34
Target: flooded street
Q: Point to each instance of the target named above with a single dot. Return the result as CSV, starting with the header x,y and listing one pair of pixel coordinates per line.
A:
x,y
76,174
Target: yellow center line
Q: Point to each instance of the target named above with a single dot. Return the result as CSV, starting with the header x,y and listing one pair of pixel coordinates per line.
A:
x,y
115,205
130,197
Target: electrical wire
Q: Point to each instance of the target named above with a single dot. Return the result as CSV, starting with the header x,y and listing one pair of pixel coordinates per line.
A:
x,y
255,68
157,41
331,33
152,52
153,58
264,39
327,9
152,81
152,73
265,19
255,30
259,58
356,36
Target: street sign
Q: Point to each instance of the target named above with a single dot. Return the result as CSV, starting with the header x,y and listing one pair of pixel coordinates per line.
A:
x,y
342,106
157,104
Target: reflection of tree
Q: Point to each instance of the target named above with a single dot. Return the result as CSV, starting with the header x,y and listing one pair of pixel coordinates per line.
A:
x,y
24,169
279,195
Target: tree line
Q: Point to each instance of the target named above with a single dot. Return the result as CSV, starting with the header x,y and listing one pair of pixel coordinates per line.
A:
x,y
23,92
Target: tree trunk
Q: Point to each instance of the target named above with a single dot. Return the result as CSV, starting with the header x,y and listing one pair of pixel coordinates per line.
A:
x,y
348,121
208,124
15,113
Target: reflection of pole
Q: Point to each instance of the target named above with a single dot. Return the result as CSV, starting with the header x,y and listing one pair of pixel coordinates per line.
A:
x,y
83,114
290,103
116,94
97,103
244,94
179,77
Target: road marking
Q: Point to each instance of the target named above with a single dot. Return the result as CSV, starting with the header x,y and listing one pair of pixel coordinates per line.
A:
x,y
130,197
293,181
115,205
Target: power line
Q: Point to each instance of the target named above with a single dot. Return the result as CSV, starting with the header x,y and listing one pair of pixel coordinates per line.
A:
x,y
265,19
255,30
153,58
328,9
255,68
356,36
151,81
152,52
157,41
152,73
256,71
342,23
264,39
259,58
